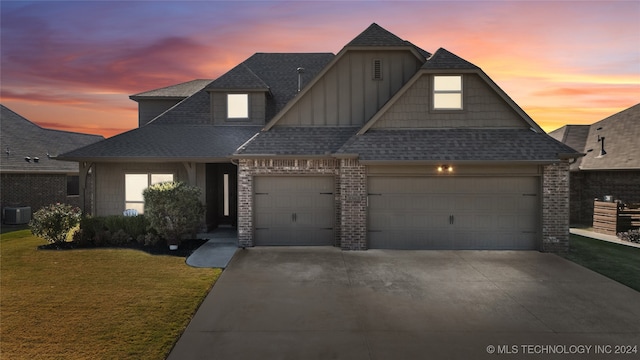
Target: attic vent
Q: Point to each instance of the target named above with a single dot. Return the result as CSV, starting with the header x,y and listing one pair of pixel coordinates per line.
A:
x,y
377,69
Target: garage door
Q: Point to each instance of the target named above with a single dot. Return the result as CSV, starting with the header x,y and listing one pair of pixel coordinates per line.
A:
x,y
294,210
453,212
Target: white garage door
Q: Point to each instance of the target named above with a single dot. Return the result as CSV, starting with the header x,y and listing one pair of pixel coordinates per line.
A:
x,y
294,210
453,212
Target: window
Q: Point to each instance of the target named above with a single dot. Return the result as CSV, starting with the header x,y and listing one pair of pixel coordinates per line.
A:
x,y
237,106
447,92
134,185
73,185
377,69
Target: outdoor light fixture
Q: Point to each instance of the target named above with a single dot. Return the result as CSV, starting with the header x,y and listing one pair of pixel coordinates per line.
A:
x,y
27,159
443,168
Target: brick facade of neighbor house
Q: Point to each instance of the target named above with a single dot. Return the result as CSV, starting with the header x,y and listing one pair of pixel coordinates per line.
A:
x,y
588,185
36,190
555,207
248,168
353,194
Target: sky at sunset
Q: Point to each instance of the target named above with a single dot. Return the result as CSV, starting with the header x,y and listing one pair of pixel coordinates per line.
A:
x,y
71,65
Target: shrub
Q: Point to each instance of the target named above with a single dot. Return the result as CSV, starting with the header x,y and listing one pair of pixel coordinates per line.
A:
x,y
116,230
631,235
173,209
53,222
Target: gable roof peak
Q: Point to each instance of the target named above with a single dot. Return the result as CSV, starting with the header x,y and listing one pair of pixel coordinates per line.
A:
x,y
443,59
376,35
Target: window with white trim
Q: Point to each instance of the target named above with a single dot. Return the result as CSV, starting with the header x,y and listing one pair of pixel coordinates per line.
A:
x,y
447,92
135,184
237,106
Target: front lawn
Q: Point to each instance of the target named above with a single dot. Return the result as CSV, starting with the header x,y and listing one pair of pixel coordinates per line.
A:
x,y
618,262
93,303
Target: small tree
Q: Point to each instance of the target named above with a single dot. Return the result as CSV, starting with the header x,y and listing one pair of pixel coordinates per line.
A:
x,y
173,209
53,222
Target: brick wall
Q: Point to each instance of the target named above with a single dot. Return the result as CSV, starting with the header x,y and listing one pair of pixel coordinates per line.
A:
x,y
35,190
588,185
353,195
248,168
555,207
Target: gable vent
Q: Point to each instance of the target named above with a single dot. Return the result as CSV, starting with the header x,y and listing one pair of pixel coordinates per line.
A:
x,y
377,69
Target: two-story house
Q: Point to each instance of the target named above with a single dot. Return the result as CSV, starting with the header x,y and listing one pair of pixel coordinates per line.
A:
x,y
383,145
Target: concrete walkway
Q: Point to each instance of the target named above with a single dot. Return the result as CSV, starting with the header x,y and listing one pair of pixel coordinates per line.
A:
x,y
218,251
595,235
324,303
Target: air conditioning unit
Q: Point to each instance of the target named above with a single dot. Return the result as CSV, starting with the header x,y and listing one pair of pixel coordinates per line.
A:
x,y
17,215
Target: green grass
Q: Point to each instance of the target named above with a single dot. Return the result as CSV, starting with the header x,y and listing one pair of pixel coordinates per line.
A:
x,y
618,262
93,303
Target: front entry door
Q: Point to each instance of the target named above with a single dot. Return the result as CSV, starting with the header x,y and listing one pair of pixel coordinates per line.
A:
x,y
222,195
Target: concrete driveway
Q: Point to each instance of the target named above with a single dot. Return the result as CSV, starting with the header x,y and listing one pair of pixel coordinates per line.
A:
x,y
324,303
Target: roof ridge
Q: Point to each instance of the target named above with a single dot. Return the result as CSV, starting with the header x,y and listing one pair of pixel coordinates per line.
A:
x,y
376,35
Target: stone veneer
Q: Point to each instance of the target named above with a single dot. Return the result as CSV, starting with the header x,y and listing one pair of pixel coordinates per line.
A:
x,y
555,207
351,198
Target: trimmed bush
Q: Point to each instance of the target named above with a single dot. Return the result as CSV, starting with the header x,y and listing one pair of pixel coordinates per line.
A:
x,y
55,221
173,209
115,230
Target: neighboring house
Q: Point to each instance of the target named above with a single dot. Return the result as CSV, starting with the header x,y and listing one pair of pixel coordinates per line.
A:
x,y
383,145
611,165
30,174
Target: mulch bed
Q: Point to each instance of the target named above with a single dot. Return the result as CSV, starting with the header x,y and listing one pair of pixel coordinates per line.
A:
x,y
186,248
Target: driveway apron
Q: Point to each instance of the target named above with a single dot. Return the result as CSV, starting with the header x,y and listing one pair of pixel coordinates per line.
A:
x,y
324,303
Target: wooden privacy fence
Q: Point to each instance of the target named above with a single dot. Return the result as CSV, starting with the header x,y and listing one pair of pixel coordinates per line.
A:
x,y
612,218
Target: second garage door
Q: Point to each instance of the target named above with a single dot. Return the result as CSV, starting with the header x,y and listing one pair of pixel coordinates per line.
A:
x,y
294,210
453,212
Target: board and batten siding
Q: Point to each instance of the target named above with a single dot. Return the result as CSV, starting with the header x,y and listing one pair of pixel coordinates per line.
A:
x,y
109,182
347,94
482,107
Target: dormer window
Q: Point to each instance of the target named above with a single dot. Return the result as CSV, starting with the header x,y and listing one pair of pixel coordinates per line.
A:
x,y
447,92
237,106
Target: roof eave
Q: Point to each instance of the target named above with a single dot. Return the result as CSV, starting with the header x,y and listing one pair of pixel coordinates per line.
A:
x,y
135,159
458,162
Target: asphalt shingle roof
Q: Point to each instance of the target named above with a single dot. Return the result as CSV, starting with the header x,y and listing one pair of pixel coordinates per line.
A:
x,y
179,91
298,141
185,141
455,145
276,72
445,60
22,138
376,35
621,132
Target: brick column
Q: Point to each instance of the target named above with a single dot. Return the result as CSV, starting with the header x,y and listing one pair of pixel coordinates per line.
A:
x,y
353,198
555,207
245,203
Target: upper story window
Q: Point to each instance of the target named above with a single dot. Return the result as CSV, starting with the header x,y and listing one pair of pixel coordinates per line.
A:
x,y
447,92
237,106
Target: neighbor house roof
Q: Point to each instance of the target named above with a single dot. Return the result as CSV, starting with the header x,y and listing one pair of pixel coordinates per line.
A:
x,y
20,138
620,131
455,145
178,91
